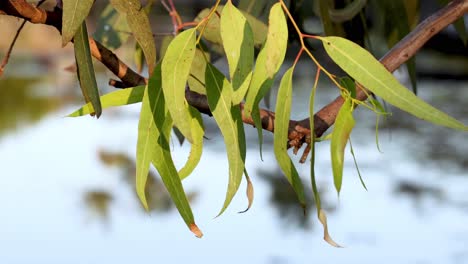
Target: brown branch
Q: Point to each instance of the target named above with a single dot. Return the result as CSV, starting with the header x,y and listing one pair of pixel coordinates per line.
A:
x,y
299,131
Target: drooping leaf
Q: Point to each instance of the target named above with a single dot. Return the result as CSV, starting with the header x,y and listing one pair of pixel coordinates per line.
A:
x,y
84,65
116,98
153,146
356,165
329,27
140,25
74,14
112,28
344,123
262,78
175,71
280,140
365,69
139,58
318,204
196,79
238,45
212,31
196,146
277,40
249,192
228,117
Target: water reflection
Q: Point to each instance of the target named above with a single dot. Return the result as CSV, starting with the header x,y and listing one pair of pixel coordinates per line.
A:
x,y
21,104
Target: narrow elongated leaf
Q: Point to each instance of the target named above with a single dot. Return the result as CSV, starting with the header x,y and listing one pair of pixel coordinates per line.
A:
x,y
84,65
249,192
112,28
344,123
153,146
212,31
116,98
175,71
277,40
74,13
196,79
318,204
197,145
365,69
262,78
283,111
139,24
238,45
228,117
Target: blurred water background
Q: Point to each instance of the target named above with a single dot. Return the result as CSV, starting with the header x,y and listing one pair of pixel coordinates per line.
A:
x,y
67,184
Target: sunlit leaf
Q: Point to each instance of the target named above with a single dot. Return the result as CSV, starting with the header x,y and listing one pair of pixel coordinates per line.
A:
x,y
153,146
228,117
365,69
282,115
116,98
84,65
277,40
140,25
344,123
318,204
249,192
262,78
139,58
196,79
175,71
112,28
74,14
238,45
196,146
212,30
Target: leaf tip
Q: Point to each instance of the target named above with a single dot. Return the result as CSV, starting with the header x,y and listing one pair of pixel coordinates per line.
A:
x,y
194,228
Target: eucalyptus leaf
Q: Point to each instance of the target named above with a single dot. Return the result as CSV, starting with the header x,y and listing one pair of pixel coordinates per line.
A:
x,y
74,14
229,119
280,137
112,28
365,69
85,68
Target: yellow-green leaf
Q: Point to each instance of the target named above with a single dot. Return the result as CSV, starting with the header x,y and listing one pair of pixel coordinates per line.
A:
x,y
365,69
249,192
85,68
228,117
197,145
196,79
212,31
175,71
262,78
116,98
140,25
74,14
280,140
277,40
153,146
344,123
238,45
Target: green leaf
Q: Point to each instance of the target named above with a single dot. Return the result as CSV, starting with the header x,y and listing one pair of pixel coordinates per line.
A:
x,y
365,69
84,65
238,45
318,204
112,28
348,12
344,123
349,85
153,146
356,165
140,25
196,79
277,40
74,14
212,31
175,71
262,78
280,140
116,98
228,117
197,145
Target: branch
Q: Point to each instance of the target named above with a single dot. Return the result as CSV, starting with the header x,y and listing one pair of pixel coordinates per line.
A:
x,y
299,131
